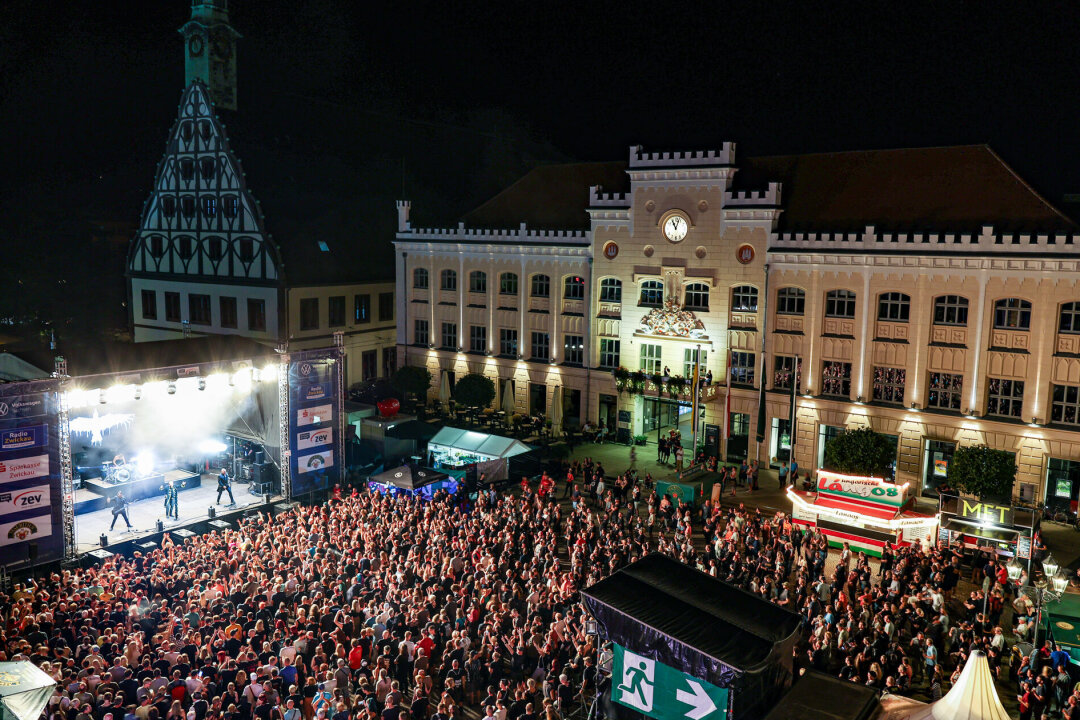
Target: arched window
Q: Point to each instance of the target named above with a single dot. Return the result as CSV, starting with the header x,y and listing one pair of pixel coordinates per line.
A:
x,y
950,310
187,168
541,286
790,301
508,284
652,293
247,249
611,290
184,247
230,205
574,288
1069,319
205,130
697,296
157,245
207,168
168,206
840,304
214,248
1012,314
448,280
187,206
209,205
186,131
420,279
744,299
893,307
477,281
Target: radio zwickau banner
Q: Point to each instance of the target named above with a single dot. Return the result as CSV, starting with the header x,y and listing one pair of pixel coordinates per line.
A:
x,y
31,515
314,412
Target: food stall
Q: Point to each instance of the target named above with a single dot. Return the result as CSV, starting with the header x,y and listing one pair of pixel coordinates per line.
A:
x,y
868,513
412,480
453,450
972,525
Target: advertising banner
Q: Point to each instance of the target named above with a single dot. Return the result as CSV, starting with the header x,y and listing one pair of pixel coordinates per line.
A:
x,y
315,412
30,492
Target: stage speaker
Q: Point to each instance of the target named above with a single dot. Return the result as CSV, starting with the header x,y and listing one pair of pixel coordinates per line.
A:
x,y
160,526
265,473
104,540
260,457
212,512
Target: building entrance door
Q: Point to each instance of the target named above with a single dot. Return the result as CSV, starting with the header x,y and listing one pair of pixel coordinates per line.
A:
x,y
937,454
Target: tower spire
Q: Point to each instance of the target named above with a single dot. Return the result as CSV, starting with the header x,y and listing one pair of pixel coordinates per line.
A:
x,y
210,50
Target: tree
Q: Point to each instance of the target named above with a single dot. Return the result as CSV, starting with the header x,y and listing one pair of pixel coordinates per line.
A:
x,y
861,452
983,471
412,380
474,391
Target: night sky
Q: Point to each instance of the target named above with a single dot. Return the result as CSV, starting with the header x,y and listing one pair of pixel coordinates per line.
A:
x,y
89,90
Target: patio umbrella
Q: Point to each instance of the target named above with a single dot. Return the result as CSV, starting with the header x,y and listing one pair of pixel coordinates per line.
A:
x,y
508,397
556,411
444,388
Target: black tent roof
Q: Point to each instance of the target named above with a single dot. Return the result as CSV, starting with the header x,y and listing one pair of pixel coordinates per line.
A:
x,y
664,599
409,477
817,695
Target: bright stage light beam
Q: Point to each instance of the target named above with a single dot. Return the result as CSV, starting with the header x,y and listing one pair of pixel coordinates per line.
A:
x,y
242,380
145,462
268,373
212,447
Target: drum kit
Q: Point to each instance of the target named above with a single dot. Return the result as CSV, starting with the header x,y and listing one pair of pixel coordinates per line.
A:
x,y
117,471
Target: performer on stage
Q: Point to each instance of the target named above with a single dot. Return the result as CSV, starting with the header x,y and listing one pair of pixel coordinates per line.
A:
x,y
172,502
119,503
224,484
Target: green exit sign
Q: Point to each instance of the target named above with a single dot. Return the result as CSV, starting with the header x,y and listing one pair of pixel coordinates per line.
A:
x,y
661,691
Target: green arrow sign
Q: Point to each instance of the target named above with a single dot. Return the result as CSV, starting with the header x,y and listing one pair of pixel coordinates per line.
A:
x,y
662,692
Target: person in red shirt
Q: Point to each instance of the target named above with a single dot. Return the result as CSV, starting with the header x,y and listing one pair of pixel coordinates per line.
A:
x,y
356,655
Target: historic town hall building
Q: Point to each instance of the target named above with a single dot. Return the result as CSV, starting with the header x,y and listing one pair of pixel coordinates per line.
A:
x,y
930,294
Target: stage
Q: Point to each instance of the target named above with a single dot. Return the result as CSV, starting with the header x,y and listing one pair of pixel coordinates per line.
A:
x,y
147,486
194,503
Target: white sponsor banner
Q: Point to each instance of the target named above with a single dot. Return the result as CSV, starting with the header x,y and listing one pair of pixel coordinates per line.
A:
x,y
314,438
23,468
13,501
32,529
315,461
313,415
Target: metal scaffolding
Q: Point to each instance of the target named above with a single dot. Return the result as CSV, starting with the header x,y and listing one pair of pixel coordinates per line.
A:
x,y
283,422
67,480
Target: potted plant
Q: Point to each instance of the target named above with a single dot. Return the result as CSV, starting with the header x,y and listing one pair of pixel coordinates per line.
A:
x,y
676,386
637,382
658,382
622,378
640,439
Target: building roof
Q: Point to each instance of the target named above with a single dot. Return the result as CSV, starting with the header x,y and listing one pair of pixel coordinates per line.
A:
x,y
941,189
550,197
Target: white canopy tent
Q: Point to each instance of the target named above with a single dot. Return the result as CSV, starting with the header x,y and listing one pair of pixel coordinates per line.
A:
x,y
973,697
455,447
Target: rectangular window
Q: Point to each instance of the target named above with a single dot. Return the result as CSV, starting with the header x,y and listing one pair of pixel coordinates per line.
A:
x,y
573,350
227,306
574,289
361,309
894,307
790,301
337,310
945,391
742,368
309,313
1005,397
508,284
369,365
541,346
950,310
256,312
541,286
650,358
449,335
889,384
785,369
609,353
386,307
1065,405
840,304
420,332
508,342
247,250
688,363
199,309
836,379
149,304
389,361
172,306
477,339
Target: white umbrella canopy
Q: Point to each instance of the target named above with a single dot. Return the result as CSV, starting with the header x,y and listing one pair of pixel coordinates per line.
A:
x,y
444,388
556,410
973,697
508,397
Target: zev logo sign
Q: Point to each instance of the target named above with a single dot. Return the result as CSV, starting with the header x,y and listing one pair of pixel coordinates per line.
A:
x,y
314,438
32,498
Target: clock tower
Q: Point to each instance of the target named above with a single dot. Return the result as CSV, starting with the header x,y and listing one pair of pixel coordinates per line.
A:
x,y
210,50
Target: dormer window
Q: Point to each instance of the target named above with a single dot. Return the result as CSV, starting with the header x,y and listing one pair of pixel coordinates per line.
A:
x,y
230,205
213,248
247,249
157,245
207,168
205,130
209,206
184,247
187,206
168,206
186,131
187,168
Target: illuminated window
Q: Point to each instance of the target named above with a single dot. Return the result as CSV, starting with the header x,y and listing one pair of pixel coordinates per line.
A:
x,y
1005,398
945,390
889,384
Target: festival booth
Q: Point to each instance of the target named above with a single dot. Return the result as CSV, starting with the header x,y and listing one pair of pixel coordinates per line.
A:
x,y
25,689
973,526
867,513
453,450
412,480
693,640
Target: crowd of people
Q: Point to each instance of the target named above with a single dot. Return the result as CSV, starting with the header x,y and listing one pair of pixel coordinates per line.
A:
x,y
372,607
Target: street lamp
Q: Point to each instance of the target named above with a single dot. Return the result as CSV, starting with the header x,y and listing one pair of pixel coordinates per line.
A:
x,y
1046,590
1014,568
1050,566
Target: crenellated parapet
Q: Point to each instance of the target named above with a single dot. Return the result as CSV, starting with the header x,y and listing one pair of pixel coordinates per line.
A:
x,y
988,242
522,234
598,198
749,198
693,158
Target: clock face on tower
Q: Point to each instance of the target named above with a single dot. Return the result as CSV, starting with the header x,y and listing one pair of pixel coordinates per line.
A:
x,y
195,45
675,227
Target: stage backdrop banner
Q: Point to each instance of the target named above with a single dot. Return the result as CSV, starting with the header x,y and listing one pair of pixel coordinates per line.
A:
x,y
30,492
314,412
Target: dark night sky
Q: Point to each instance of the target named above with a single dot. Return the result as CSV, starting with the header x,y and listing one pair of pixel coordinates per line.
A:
x,y
90,89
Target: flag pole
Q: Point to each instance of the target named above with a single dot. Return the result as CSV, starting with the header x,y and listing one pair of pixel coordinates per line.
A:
x,y
761,376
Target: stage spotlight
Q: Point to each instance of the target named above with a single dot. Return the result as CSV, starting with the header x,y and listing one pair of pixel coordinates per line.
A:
x,y
268,373
145,462
172,388
101,396
241,379
212,447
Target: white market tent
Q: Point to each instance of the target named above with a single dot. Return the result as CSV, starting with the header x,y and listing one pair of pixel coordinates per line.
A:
x,y
973,697
492,446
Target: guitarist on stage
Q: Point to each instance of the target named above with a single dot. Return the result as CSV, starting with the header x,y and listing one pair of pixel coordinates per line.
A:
x,y
119,503
224,484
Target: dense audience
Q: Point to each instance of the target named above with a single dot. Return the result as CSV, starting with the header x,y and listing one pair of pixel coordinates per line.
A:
x,y
390,608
